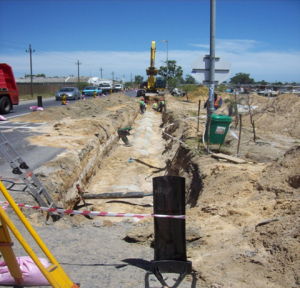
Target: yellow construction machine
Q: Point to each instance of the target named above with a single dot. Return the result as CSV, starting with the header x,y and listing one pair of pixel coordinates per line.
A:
x,y
155,86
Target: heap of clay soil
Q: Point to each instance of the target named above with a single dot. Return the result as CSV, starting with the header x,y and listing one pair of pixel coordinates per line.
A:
x,y
248,213
242,219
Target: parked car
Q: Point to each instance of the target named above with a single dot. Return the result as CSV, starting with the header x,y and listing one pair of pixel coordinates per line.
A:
x,y
72,93
90,90
140,92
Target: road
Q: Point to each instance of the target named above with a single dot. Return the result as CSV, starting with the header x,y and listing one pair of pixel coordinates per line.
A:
x,y
18,132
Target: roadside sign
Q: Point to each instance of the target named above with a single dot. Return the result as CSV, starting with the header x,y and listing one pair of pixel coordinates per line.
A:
x,y
201,68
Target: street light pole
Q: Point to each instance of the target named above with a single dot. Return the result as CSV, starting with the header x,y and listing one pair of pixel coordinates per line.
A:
x,y
167,62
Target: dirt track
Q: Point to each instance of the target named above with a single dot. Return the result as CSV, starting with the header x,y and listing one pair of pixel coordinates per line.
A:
x,y
229,243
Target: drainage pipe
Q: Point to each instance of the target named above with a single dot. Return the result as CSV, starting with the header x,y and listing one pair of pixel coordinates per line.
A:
x,y
115,195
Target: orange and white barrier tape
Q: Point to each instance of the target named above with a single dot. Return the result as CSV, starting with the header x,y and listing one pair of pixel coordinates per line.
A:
x,y
94,213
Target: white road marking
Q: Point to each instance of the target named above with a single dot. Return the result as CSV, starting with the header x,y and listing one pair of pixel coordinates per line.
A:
x,y
18,127
17,115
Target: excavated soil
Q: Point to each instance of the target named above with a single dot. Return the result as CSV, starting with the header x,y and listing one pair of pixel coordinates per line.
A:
x,y
242,226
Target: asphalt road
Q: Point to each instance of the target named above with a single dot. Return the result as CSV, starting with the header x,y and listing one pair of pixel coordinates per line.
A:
x,y
18,132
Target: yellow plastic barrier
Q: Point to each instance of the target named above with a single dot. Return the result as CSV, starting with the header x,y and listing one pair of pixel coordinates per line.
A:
x,y
54,274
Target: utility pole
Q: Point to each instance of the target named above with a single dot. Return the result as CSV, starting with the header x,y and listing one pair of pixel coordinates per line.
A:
x,y
101,71
211,108
78,69
131,78
30,52
113,73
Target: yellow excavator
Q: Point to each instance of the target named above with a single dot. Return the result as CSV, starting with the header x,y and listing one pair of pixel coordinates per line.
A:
x,y
154,85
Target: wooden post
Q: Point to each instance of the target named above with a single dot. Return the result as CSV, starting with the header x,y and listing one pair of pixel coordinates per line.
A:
x,y
199,105
240,135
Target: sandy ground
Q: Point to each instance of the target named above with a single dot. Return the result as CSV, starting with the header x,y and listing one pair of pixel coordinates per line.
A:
x,y
242,219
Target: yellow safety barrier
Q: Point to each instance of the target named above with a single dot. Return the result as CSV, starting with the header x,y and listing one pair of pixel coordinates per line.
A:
x,y
54,274
8,253
63,99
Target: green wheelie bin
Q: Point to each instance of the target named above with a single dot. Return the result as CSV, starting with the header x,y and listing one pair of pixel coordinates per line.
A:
x,y
219,127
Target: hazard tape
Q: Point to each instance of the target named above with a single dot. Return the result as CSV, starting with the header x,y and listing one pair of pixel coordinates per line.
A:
x,y
95,213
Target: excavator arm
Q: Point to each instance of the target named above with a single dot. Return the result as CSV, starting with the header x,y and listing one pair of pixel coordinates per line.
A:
x,y
151,70
154,86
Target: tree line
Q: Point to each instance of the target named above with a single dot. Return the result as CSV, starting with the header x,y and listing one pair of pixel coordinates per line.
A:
x,y
174,74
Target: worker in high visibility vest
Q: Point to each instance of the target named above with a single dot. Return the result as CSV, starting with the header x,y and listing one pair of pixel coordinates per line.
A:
x,y
161,105
142,105
218,101
154,105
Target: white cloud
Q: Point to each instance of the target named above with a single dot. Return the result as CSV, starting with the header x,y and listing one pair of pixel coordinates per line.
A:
x,y
266,65
232,45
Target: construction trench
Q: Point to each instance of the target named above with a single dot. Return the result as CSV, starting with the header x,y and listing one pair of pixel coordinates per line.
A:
x,y
104,164
225,201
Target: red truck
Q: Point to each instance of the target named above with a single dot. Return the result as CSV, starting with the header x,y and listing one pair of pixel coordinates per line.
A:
x,y
9,94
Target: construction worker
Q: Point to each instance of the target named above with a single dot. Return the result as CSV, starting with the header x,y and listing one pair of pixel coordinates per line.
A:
x,y
218,101
142,105
161,105
154,105
123,132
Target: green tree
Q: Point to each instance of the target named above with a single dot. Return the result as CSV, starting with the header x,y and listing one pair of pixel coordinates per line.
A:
x,y
172,72
187,88
138,79
190,79
40,75
241,78
127,84
81,85
263,82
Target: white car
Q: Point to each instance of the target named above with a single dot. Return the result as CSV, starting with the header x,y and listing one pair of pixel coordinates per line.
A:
x,y
119,86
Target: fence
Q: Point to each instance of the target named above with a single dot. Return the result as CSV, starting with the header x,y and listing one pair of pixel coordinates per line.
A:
x,y
40,88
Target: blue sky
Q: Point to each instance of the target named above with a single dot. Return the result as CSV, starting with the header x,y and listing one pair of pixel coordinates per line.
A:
x,y
259,37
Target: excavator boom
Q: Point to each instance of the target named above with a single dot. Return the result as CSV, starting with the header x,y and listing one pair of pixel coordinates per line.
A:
x,y
158,84
152,71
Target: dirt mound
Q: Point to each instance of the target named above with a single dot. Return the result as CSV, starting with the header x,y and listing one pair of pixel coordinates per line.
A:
x,y
283,117
242,219
93,107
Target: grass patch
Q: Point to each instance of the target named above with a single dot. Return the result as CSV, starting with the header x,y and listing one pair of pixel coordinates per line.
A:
x,y
194,113
196,143
28,97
